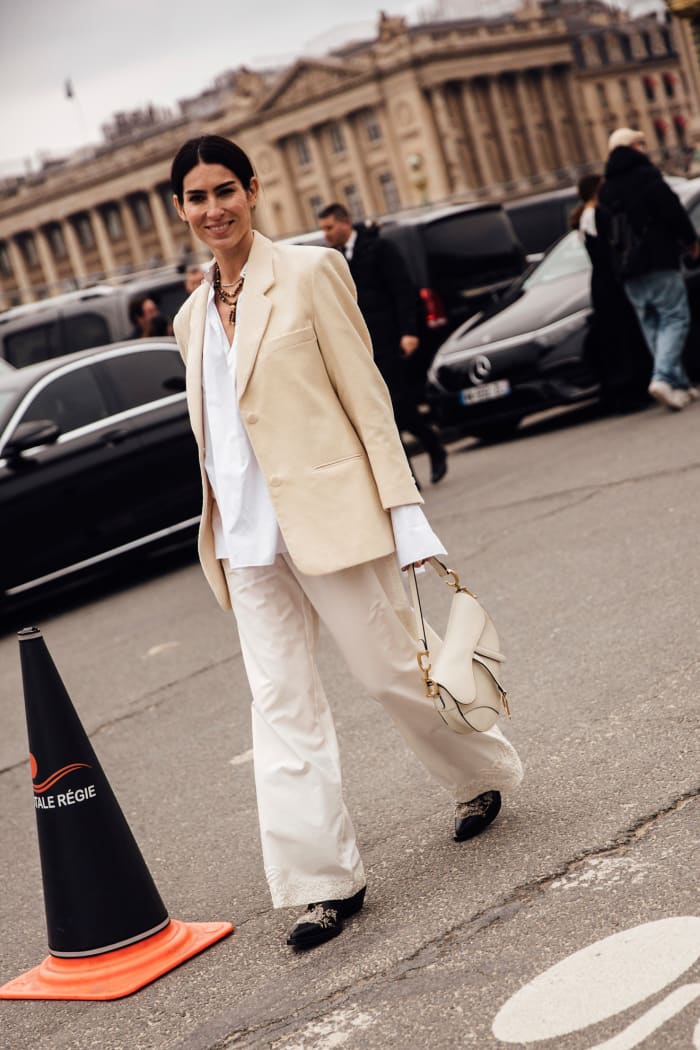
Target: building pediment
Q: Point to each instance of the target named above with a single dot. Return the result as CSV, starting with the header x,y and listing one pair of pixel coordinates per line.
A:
x,y
307,80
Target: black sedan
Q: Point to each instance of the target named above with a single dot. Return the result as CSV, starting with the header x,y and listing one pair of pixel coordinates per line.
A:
x,y
530,351
96,460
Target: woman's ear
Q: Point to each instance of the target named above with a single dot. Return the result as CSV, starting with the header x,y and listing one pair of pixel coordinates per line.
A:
x,y
253,190
178,208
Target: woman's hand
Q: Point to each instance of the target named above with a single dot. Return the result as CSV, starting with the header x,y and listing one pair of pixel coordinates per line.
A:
x,y
416,564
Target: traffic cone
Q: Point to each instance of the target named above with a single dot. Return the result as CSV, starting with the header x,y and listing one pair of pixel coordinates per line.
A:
x,y
109,932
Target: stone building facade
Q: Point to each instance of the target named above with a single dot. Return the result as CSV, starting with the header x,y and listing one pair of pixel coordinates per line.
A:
x,y
439,112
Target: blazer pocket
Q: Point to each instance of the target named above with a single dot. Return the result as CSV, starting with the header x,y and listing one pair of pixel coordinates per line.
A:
x,y
300,335
337,462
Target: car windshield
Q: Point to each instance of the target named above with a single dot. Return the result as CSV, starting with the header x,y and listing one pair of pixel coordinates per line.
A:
x,y
568,257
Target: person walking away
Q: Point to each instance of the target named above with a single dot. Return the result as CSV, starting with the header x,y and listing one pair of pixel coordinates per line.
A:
x,y
647,230
614,342
309,509
388,301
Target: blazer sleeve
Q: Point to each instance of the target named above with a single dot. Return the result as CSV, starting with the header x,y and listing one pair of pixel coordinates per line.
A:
x,y
346,349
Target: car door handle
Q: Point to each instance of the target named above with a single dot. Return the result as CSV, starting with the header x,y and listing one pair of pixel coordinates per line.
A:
x,y
114,437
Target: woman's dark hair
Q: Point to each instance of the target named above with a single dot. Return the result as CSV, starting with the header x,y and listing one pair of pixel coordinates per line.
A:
x,y
588,186
210,149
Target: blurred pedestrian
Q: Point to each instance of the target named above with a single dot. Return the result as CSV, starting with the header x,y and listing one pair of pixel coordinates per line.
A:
x,y
647,230
141,310
159,325
308,503
194,275
614,342
388,301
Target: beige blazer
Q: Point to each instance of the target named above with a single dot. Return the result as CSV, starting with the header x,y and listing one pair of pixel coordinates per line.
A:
x,y
314,406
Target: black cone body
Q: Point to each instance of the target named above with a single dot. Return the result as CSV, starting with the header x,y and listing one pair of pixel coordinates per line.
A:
x,y
98,892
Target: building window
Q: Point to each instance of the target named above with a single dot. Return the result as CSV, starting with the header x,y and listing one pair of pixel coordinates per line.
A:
x,y
315,204
54,235
669,81
337,138
113,222
165,193
301,148
142,212
625,92
5,264
661,129
649,83
602,96
27,246
83,229
390,194
680,123
354,202
372,127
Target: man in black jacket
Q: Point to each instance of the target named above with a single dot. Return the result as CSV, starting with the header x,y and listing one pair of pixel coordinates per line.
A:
x,y
647,230
388,301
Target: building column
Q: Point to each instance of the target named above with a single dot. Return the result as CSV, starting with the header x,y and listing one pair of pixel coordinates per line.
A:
x,y
572,113
131,232
357,165
472,124
508,158
288,182
75,252
160,218
20,270
104,245
548,89
319,164
46,259
536,161
436,166
450,136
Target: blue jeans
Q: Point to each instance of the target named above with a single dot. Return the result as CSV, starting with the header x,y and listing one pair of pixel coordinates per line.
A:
x,y
661,303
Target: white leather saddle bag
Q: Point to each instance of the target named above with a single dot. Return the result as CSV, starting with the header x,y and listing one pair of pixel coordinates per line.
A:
x,y
464,680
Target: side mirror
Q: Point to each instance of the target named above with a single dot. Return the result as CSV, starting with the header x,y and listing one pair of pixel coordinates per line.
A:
x,y
29,435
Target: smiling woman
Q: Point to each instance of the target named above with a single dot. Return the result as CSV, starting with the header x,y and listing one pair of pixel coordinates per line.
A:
x,y
308,502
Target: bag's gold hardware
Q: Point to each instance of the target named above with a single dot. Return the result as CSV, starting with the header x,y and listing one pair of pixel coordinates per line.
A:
x,y
431,687
504,701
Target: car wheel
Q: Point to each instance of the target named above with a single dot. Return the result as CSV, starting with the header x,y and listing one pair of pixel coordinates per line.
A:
x,y
489,433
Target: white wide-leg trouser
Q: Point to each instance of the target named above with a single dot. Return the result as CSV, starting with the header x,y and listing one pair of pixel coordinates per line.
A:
x,y
308,841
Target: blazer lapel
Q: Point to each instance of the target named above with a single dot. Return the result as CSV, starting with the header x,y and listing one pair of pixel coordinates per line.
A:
x,y
259,278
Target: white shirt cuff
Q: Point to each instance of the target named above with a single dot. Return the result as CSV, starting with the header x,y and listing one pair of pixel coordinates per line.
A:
x,y
413,537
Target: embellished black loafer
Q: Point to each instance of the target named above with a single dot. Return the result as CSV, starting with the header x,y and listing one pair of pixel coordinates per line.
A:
x,y
472,817
321,922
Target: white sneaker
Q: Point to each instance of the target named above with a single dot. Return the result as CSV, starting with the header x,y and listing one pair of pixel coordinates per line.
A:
x,y
664,392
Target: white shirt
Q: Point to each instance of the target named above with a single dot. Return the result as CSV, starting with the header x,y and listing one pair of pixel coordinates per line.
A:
x,y
246,530
349,246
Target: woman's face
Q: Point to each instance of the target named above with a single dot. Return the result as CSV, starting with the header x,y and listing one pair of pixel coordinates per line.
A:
x,y
218,207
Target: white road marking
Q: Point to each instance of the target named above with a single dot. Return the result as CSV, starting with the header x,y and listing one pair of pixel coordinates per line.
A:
x,y
638,1031
600,980
155,650
240,760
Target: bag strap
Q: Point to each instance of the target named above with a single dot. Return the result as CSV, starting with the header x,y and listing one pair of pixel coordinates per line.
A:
x,y
452,580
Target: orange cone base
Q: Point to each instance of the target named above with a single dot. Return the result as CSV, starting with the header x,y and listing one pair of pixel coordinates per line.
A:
x,y
118,973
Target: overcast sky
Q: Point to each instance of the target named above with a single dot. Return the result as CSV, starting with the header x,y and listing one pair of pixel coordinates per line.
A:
x,y
122,54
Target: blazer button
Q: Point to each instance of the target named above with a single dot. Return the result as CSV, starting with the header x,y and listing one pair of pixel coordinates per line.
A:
x,y
251,418
275,480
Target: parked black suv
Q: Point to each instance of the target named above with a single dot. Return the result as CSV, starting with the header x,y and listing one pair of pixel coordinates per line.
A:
x,y
79,320
460,259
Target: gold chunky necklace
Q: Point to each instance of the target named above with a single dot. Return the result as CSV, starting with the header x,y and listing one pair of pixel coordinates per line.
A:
x,y
229,298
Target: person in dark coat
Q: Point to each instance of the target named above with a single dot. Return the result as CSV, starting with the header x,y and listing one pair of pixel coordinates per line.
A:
x,y
647,230
388,301
615,344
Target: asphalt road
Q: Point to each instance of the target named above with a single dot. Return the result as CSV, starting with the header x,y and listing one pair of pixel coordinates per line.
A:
x,y
571,923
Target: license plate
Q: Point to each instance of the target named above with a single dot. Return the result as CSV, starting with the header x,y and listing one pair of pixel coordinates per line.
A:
x,y
486,392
